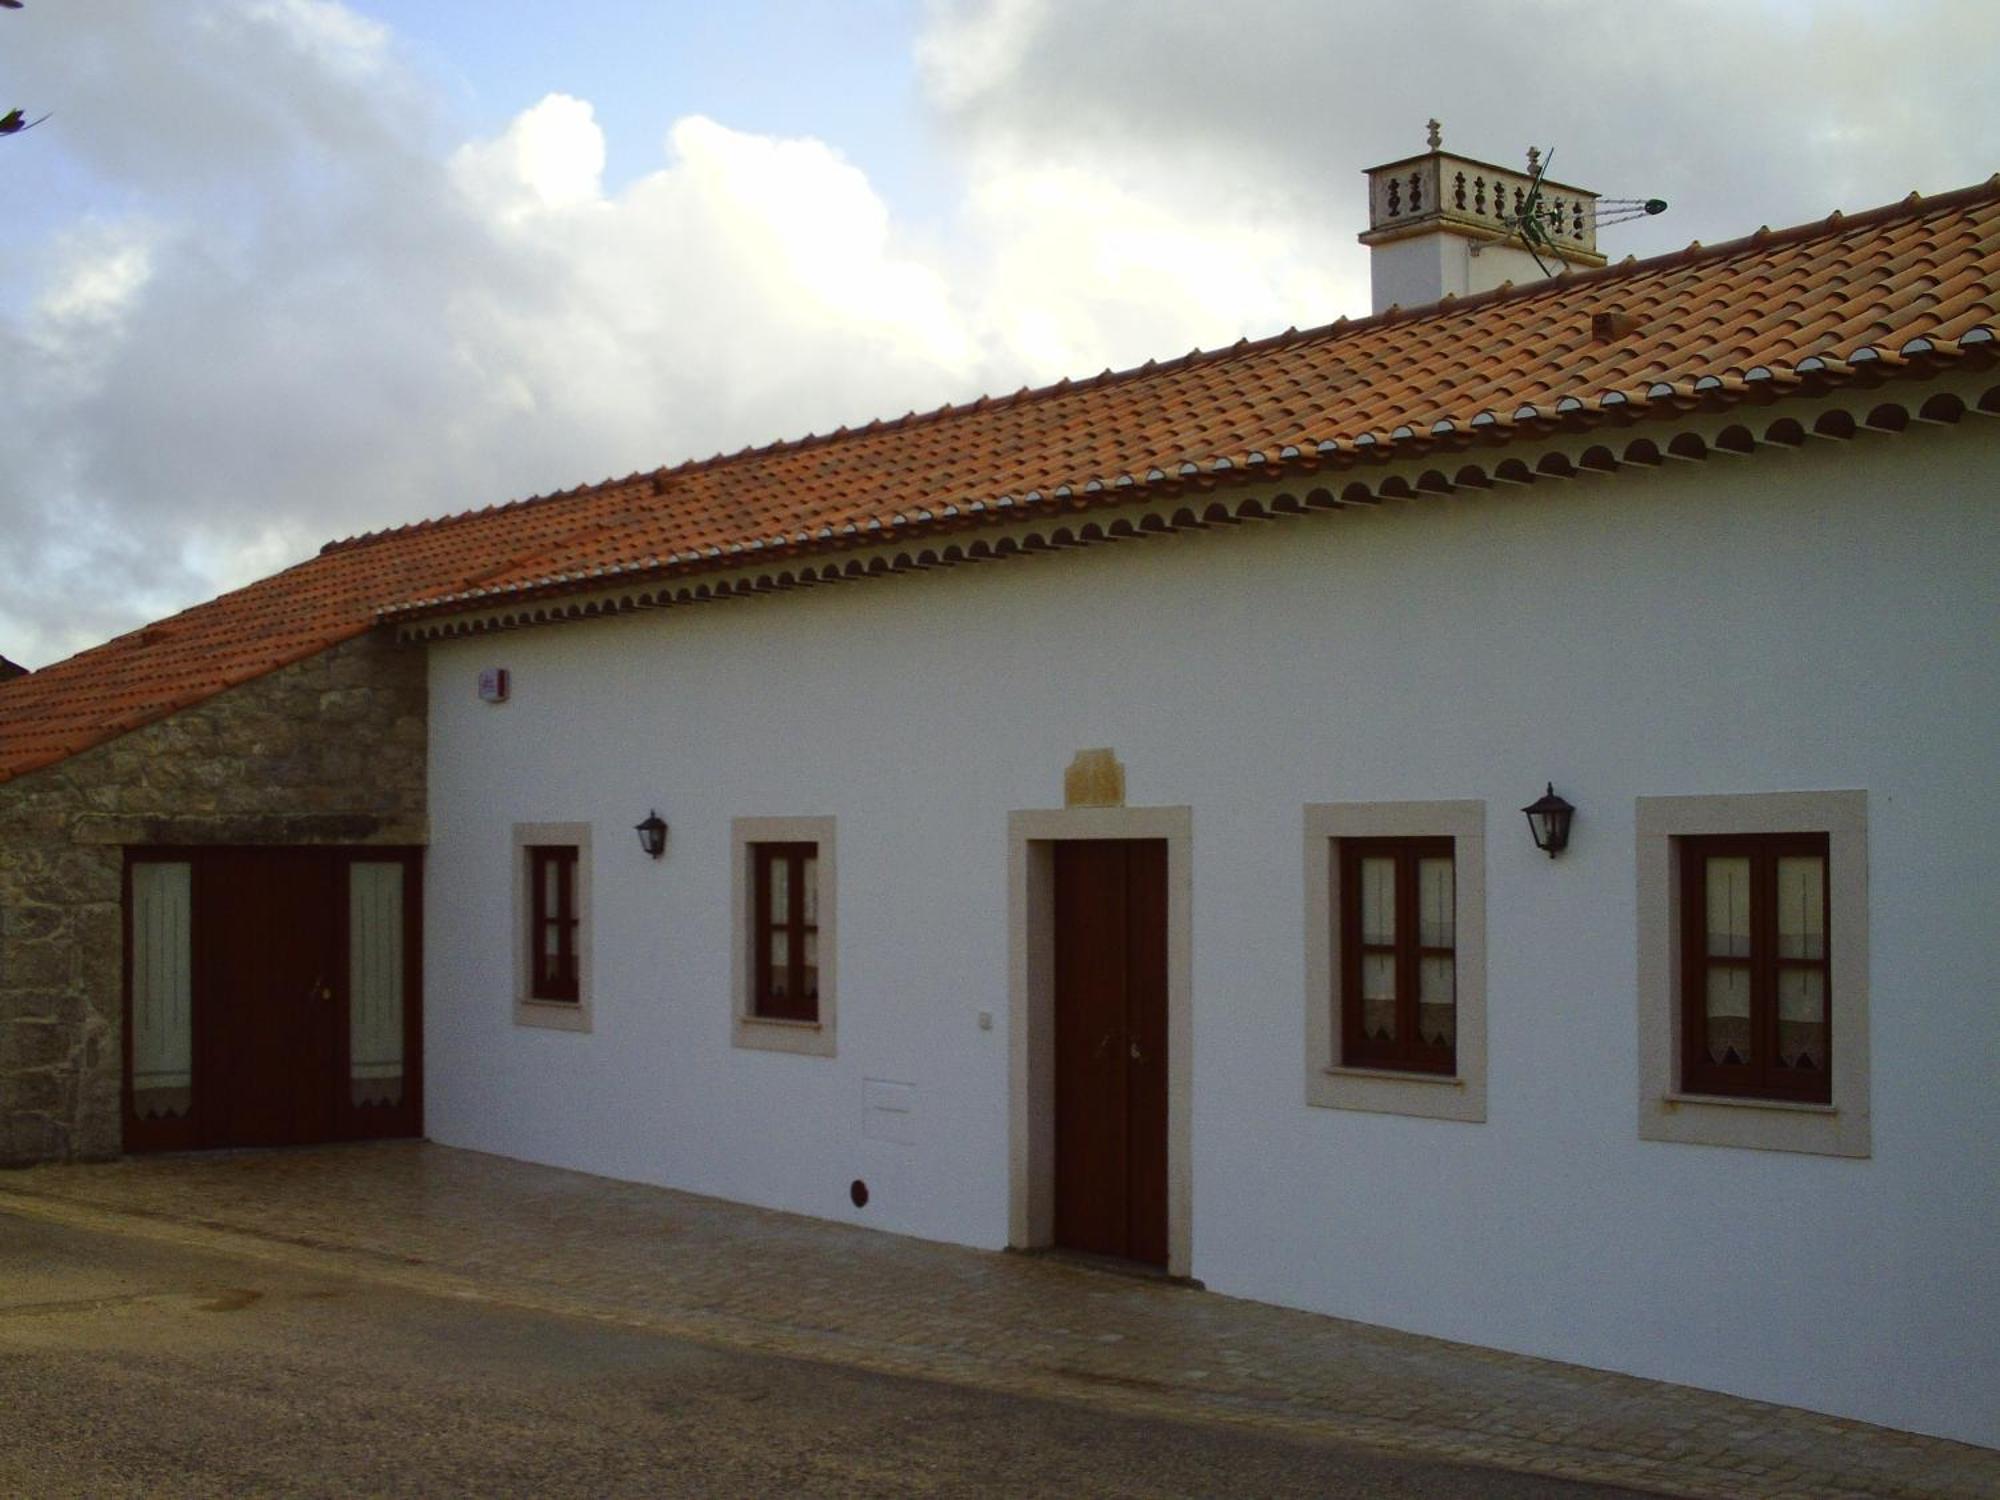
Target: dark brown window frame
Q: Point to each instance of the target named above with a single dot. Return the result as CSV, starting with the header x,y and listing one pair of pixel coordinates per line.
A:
x,y
1760,1078
1407,1053
794,1004
561,987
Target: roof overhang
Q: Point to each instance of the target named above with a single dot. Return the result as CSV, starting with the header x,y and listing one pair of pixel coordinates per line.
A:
x,y
1689,424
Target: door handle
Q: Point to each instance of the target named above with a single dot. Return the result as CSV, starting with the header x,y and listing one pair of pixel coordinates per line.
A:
x,y
1135,1053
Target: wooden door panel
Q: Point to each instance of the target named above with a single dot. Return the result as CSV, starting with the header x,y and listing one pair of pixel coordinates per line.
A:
x,y
1090,1047
1111,1048
270,996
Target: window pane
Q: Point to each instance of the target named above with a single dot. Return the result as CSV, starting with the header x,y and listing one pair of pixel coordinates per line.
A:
x,y
781,890
1728,1014
810,879
1802,1019
1728,879
555,973
781,979
551,885
162,989
1378,901
1437,1009
1434,903
1378,996
375,982
1801,906
809,979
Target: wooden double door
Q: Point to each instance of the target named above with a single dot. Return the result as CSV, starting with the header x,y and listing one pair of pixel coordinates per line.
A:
x,y
1111,1048
272,996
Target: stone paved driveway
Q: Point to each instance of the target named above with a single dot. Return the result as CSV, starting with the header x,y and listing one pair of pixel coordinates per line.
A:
x,y
437,1220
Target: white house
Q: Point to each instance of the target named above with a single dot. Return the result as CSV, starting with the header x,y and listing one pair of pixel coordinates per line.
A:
x,y
1095,818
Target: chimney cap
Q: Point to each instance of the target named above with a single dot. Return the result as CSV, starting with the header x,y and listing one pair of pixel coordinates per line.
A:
x,y
1444,224
1479,200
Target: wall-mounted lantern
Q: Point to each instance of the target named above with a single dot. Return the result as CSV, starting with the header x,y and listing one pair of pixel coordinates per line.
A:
x,y
652,834
1548,821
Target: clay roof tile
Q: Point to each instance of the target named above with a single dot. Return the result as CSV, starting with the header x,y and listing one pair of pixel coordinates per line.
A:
x,y
1789,303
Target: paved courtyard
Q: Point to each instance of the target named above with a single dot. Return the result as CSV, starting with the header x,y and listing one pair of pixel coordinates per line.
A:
x,y
135,1368
1036,1343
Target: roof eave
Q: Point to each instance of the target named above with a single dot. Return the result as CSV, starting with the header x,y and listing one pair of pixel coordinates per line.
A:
x,y
1862,368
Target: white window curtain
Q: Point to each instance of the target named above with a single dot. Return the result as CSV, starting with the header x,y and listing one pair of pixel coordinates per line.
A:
x,y
162,990
375,982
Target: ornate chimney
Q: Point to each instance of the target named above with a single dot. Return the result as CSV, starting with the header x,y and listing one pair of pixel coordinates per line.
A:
x,y
1440,223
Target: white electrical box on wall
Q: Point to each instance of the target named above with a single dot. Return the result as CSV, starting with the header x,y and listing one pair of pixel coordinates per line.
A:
x,y
493,685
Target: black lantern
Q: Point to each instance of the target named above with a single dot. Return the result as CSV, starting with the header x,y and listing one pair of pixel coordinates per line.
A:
x,y
1548,821
652,834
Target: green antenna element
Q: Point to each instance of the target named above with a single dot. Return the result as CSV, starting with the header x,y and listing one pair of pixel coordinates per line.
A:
x,y
1538,224
1532,222
1624,210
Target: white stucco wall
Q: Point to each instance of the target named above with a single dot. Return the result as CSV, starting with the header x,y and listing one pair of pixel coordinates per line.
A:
x,y
1824,619
1419,270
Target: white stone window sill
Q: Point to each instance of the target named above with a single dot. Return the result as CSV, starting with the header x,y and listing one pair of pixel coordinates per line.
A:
x,y
552,1015
1734,1101
1450,1080
781,1034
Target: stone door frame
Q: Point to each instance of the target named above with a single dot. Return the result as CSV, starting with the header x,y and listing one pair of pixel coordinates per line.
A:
x,y
1031,1013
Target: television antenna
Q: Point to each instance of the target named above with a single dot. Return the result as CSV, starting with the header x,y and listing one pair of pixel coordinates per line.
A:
x,y
1538,224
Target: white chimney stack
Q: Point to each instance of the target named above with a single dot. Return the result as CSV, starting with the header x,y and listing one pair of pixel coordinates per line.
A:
x,y
1441,224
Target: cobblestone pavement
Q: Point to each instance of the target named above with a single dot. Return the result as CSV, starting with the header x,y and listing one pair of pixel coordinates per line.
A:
x,y
131,1369
433,1219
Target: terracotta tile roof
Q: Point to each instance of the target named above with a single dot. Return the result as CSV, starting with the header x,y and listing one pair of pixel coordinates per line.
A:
x,y
149,673
1890,290
9,669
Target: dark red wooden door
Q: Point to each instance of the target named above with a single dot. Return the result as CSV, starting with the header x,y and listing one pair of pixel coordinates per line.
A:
x,y
1111,1047
269,1008
295,976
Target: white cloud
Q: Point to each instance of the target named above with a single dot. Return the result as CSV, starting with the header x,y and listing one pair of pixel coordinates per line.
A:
x,y
1737,111
343,41
339,330
1085,271
104,268
305,306
971,51
551,157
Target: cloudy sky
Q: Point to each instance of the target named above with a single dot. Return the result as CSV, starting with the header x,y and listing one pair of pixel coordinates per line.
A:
x,y
277,271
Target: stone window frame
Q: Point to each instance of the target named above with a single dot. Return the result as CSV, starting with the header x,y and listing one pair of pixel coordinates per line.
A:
x,y
815,1038
1460,1095
552,1015
1666,1112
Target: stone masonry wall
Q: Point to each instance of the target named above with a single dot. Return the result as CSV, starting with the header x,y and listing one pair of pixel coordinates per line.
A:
x,y
329,751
